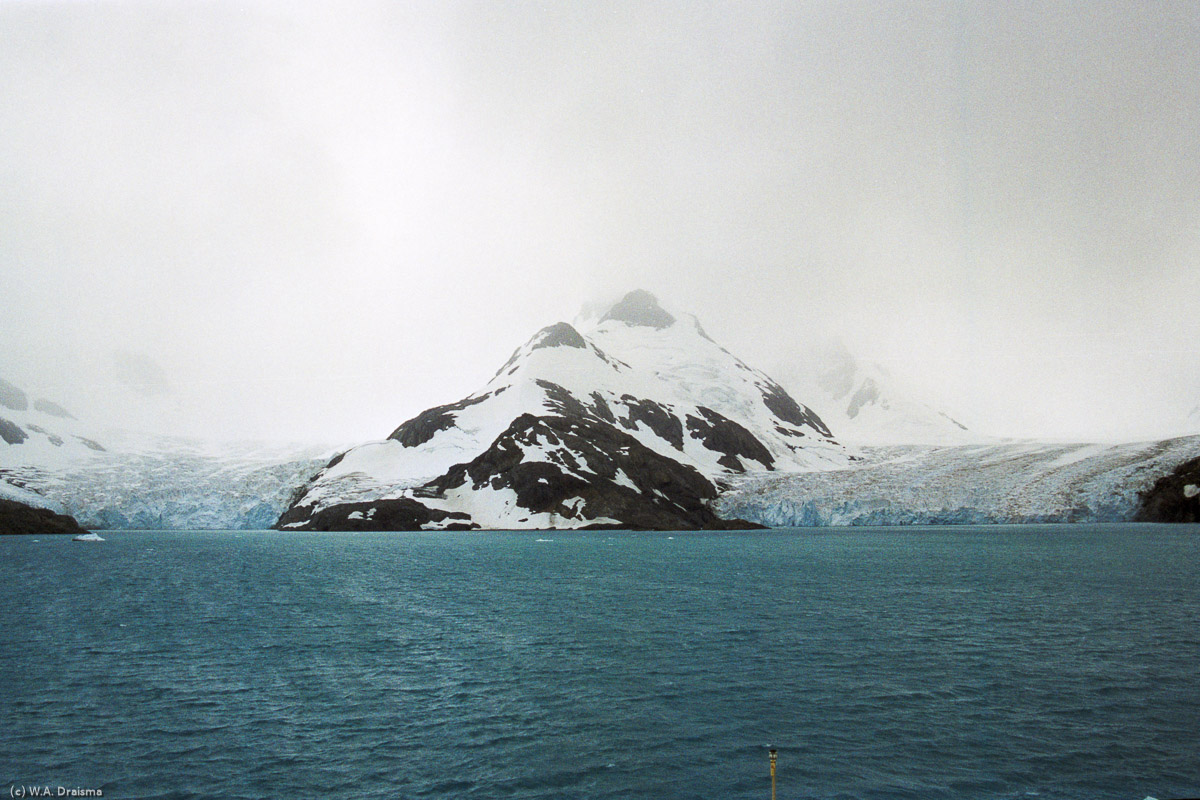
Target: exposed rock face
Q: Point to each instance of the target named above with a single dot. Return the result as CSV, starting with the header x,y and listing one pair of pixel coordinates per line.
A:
x,y
12,398
18,518
630,484
11,432
639,308
627,424
1174,497
53,409
428,423
403,514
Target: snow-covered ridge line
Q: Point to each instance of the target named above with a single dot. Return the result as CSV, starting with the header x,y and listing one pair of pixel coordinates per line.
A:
x,y
1009,482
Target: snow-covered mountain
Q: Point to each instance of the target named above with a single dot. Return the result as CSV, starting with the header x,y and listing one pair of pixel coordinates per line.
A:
x,y
1006,482
632,421
863,404
111,478
35,430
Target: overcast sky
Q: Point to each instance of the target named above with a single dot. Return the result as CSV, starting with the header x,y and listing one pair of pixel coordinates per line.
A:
x,y
320,219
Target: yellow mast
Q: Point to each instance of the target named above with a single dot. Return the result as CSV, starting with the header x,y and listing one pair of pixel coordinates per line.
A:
x,y
772,753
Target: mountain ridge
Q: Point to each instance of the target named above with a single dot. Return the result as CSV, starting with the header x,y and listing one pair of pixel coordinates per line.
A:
x,y
631,422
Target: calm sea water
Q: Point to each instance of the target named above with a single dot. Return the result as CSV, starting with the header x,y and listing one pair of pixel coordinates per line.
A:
x,y
1042,661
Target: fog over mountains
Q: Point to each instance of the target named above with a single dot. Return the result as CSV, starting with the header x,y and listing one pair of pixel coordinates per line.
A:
x,y
318,219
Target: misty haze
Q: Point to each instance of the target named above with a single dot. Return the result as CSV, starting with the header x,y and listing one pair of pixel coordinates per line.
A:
x,y
375,352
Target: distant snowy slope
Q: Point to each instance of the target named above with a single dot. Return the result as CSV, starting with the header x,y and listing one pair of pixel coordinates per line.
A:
x,y
110,478
862,403
628,422
36,430
1010,482
150,482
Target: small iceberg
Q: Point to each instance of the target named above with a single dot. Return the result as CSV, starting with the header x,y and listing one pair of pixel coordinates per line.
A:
x,y
88,537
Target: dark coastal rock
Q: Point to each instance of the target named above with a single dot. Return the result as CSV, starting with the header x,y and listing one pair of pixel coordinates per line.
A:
x,y
722,435
402,514
11,397
18,518
428,423
53,409
639,308
11,432
783,406
1174,497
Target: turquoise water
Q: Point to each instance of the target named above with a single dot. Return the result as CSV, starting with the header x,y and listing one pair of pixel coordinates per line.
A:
x,y
975,662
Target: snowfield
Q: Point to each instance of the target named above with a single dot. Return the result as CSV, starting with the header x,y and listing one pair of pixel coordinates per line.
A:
x,y
1008,482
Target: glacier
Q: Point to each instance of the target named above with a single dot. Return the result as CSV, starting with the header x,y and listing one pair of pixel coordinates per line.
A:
x,y
1006,482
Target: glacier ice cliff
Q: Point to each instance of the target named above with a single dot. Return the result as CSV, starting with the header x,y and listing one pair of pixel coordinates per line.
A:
x,y
1007,482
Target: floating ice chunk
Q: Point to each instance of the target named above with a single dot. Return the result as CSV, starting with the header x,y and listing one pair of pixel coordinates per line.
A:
x,y
88,537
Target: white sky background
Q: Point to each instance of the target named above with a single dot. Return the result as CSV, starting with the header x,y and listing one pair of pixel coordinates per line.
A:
x,y
322,219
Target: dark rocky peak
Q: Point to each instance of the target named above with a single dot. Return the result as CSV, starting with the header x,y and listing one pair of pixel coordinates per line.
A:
x,y
560,334
12,397
639,308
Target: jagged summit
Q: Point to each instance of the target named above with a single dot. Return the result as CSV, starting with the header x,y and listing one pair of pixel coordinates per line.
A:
x,y
560,334
625,419
639,307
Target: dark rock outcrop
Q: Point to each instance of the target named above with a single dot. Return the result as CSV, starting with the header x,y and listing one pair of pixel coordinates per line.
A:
x,y
783,406
654,416
593,464
11,432
1174,497
53,409
424,426
11,397
18,518
560,334
867,393
639,308
722,435
403,514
